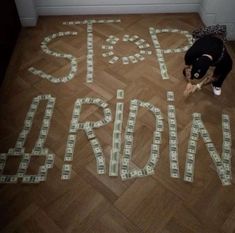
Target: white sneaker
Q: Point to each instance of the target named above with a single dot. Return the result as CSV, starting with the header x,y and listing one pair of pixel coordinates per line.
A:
x,y
216,90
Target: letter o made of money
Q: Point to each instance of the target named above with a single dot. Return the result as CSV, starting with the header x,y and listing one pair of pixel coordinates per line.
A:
x,y
141,44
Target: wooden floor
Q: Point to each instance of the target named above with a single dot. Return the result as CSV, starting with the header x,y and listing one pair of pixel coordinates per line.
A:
x,y
92,203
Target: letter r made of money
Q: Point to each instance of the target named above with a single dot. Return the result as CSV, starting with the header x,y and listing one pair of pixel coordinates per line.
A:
x,y
88,127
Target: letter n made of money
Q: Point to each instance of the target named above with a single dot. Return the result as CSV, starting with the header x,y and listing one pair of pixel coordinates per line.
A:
x,y
223,162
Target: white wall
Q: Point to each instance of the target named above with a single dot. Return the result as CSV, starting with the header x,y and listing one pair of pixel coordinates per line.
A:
x,y
27,12
70,7
211,11
219,12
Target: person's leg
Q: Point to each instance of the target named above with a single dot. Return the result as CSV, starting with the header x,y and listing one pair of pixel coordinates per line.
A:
x,y
221,73
219,79
222,70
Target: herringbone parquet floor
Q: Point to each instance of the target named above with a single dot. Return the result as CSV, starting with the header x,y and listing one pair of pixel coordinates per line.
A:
x,y
92,203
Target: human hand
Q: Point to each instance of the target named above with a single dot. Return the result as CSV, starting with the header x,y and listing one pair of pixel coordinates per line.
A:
x,y
190,88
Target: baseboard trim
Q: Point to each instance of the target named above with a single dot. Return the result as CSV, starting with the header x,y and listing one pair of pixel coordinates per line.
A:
x,y
28,22
118,9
